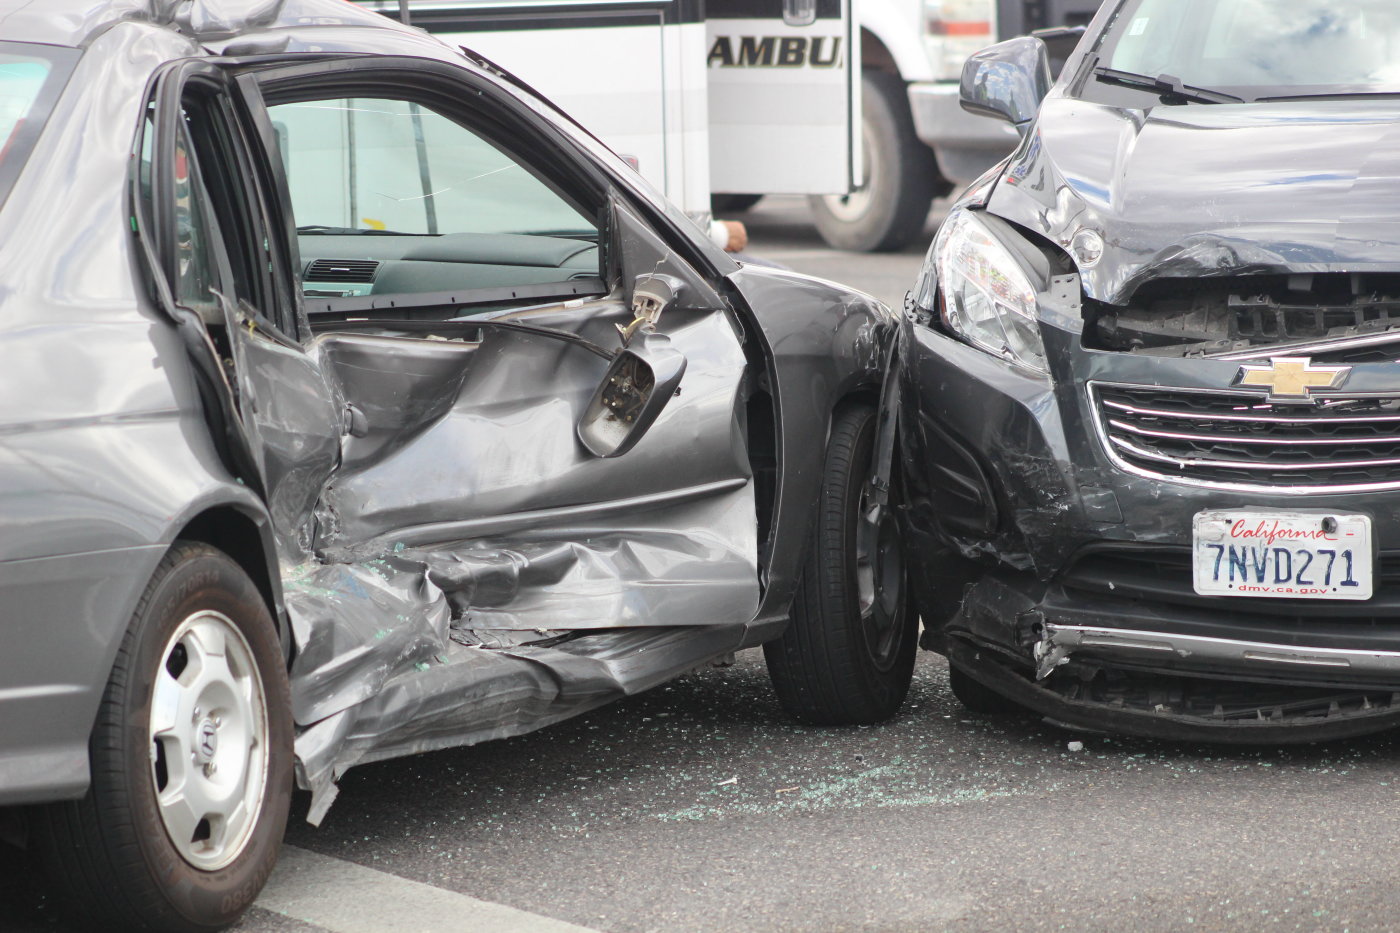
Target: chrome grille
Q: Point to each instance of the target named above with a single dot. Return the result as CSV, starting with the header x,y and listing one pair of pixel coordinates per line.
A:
x,y
1240,440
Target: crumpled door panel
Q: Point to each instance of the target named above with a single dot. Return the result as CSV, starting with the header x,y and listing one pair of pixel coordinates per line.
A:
x,y
478,573
497,438
472,696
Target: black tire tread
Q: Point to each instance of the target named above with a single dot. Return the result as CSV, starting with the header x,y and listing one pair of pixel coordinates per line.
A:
x,y
89,846
816,665
977,697
76,831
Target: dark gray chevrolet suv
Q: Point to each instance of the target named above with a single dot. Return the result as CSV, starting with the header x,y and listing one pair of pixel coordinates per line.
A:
x,y
1151,397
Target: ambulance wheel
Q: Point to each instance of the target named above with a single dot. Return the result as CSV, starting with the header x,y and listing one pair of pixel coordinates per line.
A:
x,y
887,212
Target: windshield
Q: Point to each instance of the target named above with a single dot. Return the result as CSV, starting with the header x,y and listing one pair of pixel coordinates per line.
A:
x,y
1257,49
31,77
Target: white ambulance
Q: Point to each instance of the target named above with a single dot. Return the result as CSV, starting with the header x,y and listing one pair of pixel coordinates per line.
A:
x,y
851,102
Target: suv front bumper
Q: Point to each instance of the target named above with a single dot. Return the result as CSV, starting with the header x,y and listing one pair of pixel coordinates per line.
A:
x,y
1050,573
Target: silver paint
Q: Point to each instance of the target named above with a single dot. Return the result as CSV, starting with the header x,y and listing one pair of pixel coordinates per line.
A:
x,y
447,562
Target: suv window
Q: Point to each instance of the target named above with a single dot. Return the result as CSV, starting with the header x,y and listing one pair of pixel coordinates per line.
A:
x,y
433,205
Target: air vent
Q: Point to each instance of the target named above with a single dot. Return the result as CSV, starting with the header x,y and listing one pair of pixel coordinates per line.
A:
x,y
341,270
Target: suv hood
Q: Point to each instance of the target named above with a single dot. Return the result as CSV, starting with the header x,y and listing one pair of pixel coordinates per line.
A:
x,y
1212,190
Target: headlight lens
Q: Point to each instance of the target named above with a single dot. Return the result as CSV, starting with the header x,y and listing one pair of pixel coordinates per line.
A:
x,y
986,298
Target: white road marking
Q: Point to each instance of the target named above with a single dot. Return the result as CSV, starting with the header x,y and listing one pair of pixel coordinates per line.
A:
x,y
347,898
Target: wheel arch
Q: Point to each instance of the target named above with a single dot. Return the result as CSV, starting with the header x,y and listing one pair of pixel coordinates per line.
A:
x,y
875,55
865,392
892,41
247,539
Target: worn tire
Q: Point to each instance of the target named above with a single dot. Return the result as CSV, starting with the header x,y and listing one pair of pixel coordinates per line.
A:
x,y
977,697
721,205
902,179
839,662
111,849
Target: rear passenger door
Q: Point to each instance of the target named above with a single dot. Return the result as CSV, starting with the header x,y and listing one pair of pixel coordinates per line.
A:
x,y
222,266
466,275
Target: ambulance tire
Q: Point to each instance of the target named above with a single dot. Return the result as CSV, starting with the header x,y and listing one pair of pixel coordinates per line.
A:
x,y
901,177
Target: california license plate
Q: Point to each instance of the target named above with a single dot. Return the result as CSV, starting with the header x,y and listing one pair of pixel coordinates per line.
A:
x,y
1293,555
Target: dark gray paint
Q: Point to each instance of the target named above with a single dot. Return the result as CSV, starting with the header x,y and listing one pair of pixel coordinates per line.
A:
x,y
1200,190
1176,192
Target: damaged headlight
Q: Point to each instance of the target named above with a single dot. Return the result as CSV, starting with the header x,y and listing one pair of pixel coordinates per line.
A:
x,y
982,293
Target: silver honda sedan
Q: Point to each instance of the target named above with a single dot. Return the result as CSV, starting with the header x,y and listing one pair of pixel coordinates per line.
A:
x,y
357,403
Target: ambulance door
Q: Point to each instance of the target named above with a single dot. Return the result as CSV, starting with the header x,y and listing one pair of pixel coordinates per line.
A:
x,y
784,96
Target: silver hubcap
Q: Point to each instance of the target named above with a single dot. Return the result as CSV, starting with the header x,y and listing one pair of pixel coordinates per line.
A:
x,y
849,208
209,740
879,580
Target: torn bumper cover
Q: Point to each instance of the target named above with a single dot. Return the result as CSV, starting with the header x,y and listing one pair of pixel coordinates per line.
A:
x,y
1074,564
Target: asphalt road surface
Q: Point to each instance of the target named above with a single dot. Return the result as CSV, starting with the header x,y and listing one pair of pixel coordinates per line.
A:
x,y
699,807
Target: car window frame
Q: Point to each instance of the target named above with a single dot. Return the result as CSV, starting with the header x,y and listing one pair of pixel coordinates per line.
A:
x,y
275,311
479,107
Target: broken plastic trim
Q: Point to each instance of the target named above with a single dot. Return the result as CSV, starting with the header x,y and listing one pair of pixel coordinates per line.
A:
x,y
465,326
1059,642
638,384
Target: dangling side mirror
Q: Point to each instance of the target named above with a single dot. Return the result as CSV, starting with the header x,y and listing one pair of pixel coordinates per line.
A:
x,y
641,380
643,375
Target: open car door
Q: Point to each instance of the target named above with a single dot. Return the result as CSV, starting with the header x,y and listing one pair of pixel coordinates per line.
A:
x,y
542,497
220,263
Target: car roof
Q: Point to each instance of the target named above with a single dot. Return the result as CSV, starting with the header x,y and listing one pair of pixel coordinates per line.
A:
x,y
77,22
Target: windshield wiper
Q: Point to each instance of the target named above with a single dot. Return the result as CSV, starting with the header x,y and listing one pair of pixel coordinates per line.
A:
x,y
1169,86
1330,95
323,230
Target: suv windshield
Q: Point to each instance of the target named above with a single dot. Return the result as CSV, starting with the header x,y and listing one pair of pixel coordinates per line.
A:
x,y
31,77
1260,49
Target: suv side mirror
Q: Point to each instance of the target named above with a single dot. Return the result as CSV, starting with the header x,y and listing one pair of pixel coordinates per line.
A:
x,y
1007,81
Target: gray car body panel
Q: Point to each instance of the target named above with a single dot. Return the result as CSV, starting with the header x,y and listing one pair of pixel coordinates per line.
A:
x,y
428,599
1165,188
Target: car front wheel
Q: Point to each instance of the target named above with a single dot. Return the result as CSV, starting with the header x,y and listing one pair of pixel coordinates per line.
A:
x,y
847,656
191,759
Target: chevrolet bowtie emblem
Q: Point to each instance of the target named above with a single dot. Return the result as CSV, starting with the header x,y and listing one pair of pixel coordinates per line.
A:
x,y
1291,378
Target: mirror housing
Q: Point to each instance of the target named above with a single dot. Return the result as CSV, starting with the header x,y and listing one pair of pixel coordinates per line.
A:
x,y
638,384
1007,81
